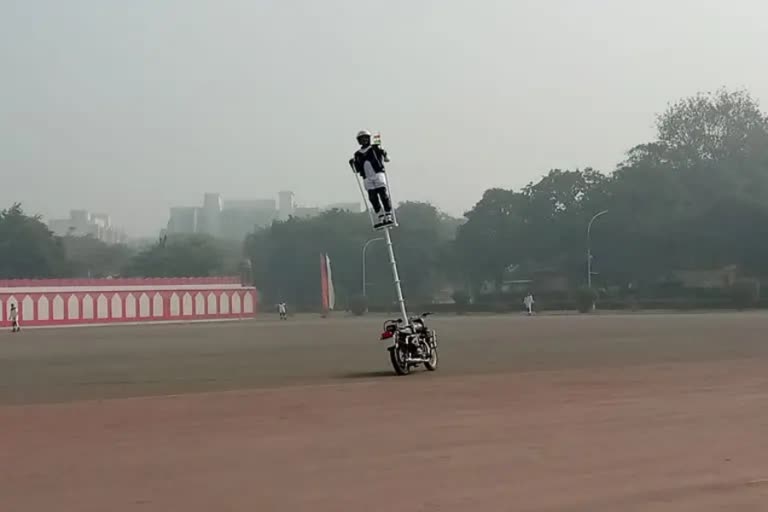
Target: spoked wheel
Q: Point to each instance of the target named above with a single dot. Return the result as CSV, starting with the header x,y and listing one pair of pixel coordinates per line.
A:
x,y
431,364
399,357
433,357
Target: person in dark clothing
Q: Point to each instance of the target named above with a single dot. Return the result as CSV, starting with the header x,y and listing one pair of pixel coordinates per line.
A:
x,y
368,162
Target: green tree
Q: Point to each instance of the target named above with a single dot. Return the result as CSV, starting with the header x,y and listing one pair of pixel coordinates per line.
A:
x,y
493,237
556,213
712,127
688,199
28,249
418,243
563,194
90,257
286,256
708,165
179,256
541,226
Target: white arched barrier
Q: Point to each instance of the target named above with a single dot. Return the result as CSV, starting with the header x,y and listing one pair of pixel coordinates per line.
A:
x,y
102,307
27,309
117,306
130,306
236,306
144,306
248,304
199,304
73,308
157,306
44,307
186,305
175,305
58,307
88,308
99,301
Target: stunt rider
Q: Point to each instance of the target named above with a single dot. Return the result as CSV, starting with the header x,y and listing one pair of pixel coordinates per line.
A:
x,y
368,162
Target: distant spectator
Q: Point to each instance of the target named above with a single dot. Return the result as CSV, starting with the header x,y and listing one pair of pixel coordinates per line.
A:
x,y
14,318
528,303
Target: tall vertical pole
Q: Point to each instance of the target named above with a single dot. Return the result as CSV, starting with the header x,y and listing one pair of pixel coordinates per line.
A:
x,y
589,247
589,262
396,277
365,296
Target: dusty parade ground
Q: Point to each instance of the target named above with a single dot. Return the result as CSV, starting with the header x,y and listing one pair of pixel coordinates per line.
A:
x,y
644,412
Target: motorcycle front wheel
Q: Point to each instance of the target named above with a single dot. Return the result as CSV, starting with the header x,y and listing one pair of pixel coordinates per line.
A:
x,y
399,358
431,364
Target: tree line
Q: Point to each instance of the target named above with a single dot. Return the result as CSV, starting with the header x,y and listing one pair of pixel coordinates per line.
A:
x,y
694,198
29,250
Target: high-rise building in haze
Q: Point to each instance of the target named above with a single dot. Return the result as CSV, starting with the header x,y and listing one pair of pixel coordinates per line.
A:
x,y
235,218
84,223
229,219
210,221
184,219
287,204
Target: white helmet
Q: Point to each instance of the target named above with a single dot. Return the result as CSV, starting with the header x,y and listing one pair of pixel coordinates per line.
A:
x,y
363,133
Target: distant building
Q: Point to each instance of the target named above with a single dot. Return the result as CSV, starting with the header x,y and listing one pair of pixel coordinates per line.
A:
x,y
251,204
236,218
230,219
242,216
303,212
347,207
287,204
184,219
84,223
210,214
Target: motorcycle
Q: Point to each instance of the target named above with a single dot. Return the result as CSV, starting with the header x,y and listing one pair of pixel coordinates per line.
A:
x,y
413,344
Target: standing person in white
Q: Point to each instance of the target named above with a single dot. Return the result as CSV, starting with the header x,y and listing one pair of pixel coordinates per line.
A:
x,y
13,316
281,308
528,302
368,162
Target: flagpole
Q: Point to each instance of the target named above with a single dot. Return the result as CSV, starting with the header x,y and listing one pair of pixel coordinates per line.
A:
x,y
323,285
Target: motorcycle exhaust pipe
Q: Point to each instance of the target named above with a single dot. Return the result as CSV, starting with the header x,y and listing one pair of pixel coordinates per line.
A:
x,y
416,361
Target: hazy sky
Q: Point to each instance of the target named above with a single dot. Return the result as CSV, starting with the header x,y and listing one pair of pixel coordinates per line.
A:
x,y
131,106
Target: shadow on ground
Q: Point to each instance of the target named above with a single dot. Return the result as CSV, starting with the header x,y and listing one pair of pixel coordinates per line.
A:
x,y
368,375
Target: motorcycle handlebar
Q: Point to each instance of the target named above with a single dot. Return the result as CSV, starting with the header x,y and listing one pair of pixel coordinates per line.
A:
x,y
423,315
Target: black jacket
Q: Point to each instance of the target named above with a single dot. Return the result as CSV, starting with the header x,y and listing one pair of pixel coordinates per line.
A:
x,y
374,154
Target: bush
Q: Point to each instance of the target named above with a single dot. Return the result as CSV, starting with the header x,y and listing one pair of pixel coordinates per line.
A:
x,y
745,293
585,299
358,305
462,299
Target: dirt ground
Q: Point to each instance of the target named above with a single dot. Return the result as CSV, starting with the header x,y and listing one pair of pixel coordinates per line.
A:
x,y
550,413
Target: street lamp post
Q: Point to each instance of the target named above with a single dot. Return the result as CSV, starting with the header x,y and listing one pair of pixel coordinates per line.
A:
x,y
589,247
365,248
